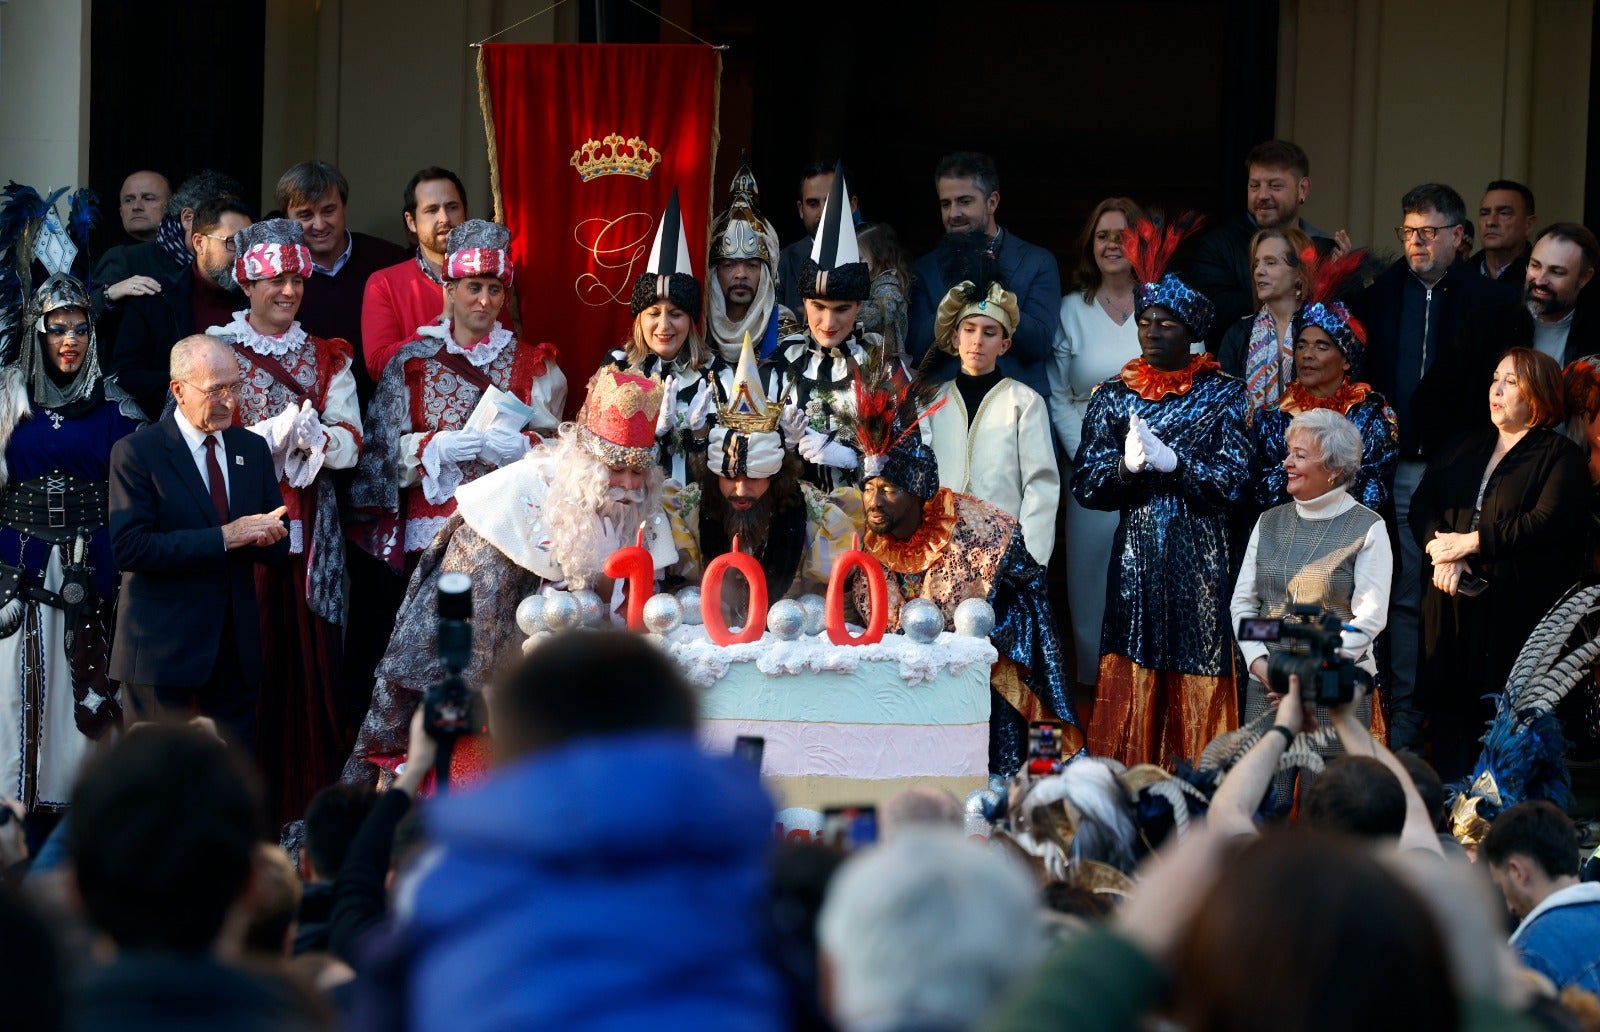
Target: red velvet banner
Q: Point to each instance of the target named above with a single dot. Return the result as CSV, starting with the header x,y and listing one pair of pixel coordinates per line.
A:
x,y
587,143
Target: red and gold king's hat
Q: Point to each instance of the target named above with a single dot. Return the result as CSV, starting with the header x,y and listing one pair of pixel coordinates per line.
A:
x,y
618,422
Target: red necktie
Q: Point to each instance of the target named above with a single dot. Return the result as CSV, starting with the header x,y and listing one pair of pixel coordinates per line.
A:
x,y
219,488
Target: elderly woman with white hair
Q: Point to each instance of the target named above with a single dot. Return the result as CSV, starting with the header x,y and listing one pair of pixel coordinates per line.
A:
x,y
1323,548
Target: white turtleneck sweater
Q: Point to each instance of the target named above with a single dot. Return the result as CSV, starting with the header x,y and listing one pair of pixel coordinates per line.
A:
x,y
1370,603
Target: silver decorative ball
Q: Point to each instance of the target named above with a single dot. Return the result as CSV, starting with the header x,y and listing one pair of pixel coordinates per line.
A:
x,y
590,606
786,619
530,614
975,618
982,802
921,621
663,613
816,610
689,599
561,611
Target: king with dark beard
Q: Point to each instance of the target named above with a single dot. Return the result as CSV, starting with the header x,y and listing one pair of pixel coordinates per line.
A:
x,y
749,487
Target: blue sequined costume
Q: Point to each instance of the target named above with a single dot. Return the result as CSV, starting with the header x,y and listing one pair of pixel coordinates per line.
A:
x,y
1380,450
1167,596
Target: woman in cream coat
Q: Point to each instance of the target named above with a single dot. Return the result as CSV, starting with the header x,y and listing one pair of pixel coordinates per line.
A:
x,y
990,433
1097,336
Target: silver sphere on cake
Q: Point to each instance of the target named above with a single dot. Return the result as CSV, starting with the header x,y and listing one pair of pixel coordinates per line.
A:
x,y
816,610
786,619
689,599
663,614
921,621
530,615
589,605
561,611
975,618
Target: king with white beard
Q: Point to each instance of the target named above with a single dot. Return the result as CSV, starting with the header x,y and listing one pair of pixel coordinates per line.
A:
x,y
550,518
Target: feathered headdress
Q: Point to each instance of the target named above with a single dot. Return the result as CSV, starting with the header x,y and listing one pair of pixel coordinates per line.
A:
x,y
36,245
1326,278
1149,246
1524,751
886,431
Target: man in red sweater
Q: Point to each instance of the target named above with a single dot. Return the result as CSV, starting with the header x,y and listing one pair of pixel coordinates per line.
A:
x,y
404,297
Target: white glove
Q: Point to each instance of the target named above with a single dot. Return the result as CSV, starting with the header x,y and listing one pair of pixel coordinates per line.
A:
x,y
502,446
700,408
309,433
1133,447
815,447
279,430
457,446
1161,458
669,406
610,536
793,423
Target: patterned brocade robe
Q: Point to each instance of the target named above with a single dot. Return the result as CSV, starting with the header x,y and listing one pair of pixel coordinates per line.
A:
x,y
402,483
967,548
1166,672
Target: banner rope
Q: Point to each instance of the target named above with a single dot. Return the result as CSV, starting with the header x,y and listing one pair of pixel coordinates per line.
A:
x,y
654,14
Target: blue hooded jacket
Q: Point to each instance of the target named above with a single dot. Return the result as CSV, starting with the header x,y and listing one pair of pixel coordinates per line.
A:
x,y
609,883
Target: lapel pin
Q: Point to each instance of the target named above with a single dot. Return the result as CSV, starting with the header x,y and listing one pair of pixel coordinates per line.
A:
x,y
238,460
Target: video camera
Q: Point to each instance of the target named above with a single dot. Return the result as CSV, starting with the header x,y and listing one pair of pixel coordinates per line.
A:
x,y
1327,679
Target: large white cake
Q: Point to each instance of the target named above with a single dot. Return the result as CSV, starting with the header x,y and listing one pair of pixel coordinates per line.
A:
x,y
847,724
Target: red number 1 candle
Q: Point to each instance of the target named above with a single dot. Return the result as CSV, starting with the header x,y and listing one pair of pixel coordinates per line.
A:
x,y
634,564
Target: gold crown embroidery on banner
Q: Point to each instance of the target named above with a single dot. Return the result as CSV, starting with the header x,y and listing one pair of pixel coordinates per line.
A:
x,y
615,156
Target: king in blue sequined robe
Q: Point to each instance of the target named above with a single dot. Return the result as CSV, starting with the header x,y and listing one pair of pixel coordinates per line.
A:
x,y
1167,596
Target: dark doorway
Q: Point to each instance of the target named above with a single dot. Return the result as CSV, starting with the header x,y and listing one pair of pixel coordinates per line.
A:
x,y
174,86
1075,101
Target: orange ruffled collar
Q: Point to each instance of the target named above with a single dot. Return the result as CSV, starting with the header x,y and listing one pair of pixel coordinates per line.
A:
x,y
917,553
1153,384
1296,399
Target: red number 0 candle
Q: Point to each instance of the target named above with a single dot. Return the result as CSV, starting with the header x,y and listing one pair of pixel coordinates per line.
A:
x,y
877,597
711,597
634,564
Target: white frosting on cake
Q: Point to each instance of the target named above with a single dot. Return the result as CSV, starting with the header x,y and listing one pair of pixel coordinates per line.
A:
x,y
706,663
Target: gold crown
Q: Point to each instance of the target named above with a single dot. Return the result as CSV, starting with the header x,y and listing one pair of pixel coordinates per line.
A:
x,y
615,156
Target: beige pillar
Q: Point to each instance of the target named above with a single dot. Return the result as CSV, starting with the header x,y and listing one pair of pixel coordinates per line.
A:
x,y
44,78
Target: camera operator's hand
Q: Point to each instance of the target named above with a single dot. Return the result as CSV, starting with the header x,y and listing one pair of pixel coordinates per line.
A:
x,y
1447,547
1293,713
1447,575
421,751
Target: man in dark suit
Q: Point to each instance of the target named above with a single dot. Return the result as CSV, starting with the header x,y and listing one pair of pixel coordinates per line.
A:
x,y
969,194
194,504
195,298
1556,314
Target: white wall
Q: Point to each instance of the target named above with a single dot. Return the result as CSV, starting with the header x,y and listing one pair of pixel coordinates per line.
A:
x,y
381,88
1386,94
44,92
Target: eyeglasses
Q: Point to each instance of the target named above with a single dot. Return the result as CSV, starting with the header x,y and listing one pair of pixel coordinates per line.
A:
x,y
1422,233
227,242
78,332
229,391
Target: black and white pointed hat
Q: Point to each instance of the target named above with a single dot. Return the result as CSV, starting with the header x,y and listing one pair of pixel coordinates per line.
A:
x,y
669,274
835,271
